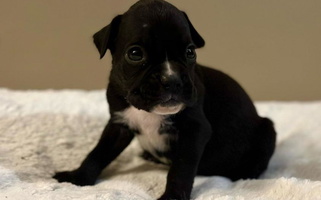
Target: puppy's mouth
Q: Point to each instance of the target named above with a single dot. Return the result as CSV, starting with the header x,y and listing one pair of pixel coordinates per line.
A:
x,y
162,103
169,105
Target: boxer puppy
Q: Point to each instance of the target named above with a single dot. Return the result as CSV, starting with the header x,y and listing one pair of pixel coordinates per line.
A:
x,y
197,120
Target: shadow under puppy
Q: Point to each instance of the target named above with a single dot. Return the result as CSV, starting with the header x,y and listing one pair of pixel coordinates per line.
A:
x,y
196,119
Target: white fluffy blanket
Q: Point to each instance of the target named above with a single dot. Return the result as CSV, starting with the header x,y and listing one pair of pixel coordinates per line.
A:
x,y
46,131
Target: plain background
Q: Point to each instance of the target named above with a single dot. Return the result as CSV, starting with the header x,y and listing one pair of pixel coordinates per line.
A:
x,y
272,47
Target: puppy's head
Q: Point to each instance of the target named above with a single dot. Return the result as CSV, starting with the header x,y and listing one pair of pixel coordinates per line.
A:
x,y
153,50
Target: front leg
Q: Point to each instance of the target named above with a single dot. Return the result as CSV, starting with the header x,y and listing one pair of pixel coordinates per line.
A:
x,y
114,140
194,133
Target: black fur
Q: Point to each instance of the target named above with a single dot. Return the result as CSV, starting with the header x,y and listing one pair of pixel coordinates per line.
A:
x,y
219,131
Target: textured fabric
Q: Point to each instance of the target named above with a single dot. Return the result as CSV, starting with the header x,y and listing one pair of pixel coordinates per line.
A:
x,y
46,131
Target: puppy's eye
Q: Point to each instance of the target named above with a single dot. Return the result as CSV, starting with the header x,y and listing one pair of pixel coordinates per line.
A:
x,y
190,52
135,54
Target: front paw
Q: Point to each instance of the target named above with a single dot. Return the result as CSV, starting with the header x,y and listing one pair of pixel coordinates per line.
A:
x,y
74,177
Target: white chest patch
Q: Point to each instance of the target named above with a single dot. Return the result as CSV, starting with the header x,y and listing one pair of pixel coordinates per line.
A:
x,y
148,126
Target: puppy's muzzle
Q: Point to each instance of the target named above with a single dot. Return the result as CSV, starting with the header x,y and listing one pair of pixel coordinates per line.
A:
x,y
171,83
170,103
164,90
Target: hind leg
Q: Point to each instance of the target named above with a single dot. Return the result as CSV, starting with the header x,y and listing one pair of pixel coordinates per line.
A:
x,y
258,158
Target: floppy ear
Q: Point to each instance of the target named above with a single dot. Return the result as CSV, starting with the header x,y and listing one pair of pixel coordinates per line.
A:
x,y
104,38
196,37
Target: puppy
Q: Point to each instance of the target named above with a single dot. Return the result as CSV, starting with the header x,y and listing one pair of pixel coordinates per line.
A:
x,y
197,120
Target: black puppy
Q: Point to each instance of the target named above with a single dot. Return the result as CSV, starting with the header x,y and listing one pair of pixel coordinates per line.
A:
x,y
196,119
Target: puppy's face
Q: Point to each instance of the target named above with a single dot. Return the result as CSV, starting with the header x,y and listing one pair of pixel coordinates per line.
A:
x,y
153,49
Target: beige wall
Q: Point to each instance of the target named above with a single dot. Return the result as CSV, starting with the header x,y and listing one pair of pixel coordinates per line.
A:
x,y
272,47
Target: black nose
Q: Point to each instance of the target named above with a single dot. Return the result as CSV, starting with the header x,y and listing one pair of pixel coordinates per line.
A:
x,y
171,82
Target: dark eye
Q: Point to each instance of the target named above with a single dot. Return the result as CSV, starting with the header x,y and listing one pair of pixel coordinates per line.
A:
x,y
135,54
190,52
